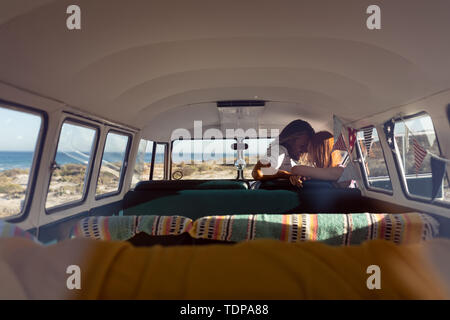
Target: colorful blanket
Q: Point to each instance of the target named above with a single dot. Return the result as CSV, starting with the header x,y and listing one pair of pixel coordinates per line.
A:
x,y
126,227
9,230
335,229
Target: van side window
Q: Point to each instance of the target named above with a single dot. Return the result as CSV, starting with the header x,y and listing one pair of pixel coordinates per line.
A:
x,y
374,163
113,163
71,165
19,133
418,181
143,163
160,161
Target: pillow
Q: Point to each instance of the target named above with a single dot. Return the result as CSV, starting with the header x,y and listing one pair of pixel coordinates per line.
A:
x,y
126,227
9,230
330,228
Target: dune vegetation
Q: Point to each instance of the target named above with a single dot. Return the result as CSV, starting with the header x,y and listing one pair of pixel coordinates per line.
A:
x,y
66,185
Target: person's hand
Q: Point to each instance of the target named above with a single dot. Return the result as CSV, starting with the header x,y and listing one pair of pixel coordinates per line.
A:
x,y
256,172
297,181
264,163
260,165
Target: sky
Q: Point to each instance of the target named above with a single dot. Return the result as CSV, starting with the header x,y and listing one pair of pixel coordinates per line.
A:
x,y
18,130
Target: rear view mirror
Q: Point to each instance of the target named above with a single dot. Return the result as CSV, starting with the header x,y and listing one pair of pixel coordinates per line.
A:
x,y
239,146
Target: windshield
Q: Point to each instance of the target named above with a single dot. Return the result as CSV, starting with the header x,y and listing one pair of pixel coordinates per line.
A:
x,y
203,159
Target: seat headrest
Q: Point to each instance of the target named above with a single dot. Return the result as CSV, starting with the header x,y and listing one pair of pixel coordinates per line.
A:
x,y
190,185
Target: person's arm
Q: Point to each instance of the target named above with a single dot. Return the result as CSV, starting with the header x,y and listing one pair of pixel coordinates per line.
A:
x,y
332,174
257,173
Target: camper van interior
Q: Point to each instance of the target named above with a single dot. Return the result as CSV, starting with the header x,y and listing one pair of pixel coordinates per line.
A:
x,y
253,149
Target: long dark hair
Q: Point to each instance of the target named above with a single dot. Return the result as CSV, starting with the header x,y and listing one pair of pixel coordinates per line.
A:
x,y
294,129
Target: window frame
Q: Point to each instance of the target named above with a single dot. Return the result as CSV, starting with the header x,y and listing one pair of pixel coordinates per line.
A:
x,y
150,177
89,169
123,170
170,156
401,170
37,157
166,160
363,169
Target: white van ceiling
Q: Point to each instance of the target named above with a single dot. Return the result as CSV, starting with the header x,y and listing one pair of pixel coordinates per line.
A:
x,y
148,64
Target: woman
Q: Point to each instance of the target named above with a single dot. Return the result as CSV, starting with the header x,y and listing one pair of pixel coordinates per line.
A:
x,y
326,164
282,156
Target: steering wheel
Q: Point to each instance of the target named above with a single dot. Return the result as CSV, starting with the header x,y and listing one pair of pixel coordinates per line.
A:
x,y
177,175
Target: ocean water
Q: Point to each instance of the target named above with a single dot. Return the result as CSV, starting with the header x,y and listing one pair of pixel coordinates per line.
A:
x,y
15,160
23,159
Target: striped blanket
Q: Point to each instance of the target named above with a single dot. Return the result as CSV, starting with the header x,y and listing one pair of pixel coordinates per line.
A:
x,y
10,230
126,227
335,229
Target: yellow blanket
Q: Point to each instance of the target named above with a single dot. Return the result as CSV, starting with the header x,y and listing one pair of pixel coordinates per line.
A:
x,y
261,269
